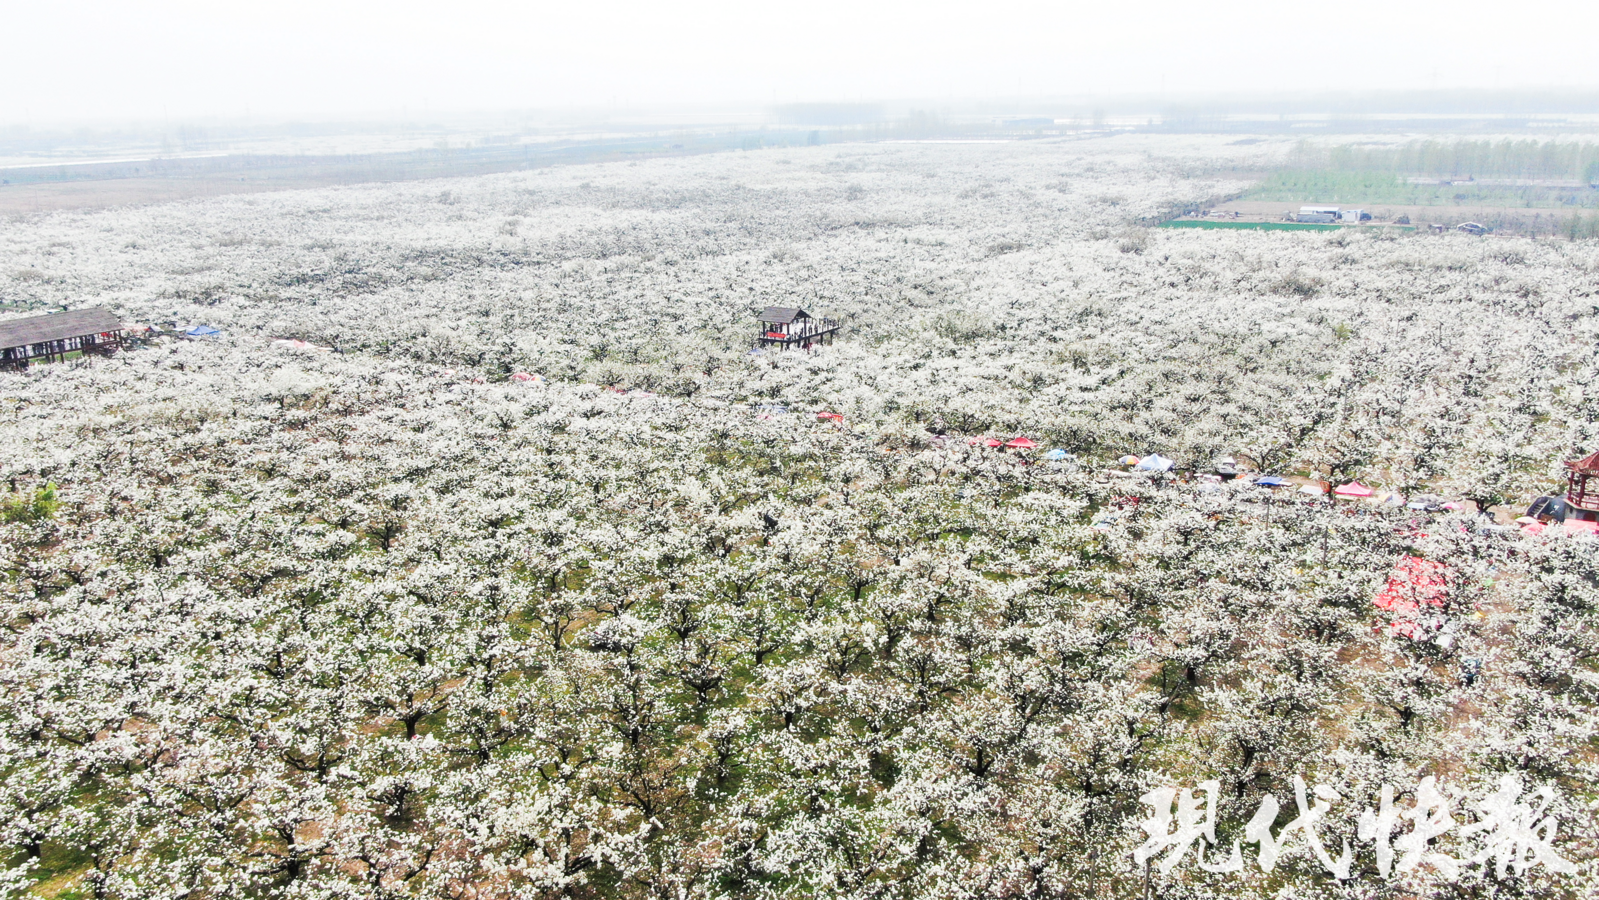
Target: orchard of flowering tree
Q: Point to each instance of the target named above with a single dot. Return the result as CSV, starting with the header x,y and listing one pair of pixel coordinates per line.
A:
x,y
389,622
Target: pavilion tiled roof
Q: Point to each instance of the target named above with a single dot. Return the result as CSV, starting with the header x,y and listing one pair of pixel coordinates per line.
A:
x,y
1588,465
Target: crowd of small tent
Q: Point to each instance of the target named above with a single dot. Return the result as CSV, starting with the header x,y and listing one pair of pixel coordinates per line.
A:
x,y
1545,512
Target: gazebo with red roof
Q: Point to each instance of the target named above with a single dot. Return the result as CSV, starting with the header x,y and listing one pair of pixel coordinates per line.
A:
x,y
1583,503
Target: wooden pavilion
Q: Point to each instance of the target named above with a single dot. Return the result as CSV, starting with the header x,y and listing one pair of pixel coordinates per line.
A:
x,y
788,326
1582,503
55,335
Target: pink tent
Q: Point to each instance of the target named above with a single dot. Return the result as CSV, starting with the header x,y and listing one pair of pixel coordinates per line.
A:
x,y
1022,443
993,442
1413,584
1353,489
825,416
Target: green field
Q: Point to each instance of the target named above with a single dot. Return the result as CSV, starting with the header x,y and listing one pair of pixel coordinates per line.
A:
x,y
1529,174
1266,226
1330,186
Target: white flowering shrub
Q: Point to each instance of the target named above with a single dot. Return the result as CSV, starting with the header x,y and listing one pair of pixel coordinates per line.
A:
x,y
387,622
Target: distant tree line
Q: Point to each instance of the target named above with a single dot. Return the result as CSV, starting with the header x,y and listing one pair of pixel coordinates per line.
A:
x,y
1549,159
1387,188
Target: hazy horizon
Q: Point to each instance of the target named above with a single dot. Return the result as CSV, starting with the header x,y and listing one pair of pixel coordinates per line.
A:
x,y
89,61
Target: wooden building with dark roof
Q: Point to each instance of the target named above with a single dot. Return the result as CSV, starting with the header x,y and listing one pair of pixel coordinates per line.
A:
x,y
54,336
789,326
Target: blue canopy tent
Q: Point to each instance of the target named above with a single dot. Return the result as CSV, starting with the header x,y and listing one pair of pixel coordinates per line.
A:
x,y
1272,481
203,331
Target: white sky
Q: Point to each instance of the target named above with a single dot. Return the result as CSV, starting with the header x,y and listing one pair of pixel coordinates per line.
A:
x,y
94,60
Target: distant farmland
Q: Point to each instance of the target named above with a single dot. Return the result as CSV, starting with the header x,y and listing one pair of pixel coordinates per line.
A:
x,y
1332,186
1530,187
44,188
1525,174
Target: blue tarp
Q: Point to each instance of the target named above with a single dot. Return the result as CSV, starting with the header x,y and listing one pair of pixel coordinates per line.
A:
x,y
1272,481
1154,462
1057,455
203,331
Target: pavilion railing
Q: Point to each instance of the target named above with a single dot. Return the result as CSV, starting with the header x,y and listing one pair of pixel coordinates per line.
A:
x,y
22,354
1588,502
800,332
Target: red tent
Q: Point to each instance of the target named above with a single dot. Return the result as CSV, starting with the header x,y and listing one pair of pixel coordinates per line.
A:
x,y
825,416
1581,526
993,442
1022,443
1413,584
